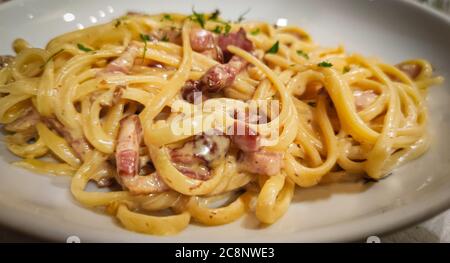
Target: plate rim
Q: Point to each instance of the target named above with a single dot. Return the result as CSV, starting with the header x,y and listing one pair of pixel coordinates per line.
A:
x,y
426,208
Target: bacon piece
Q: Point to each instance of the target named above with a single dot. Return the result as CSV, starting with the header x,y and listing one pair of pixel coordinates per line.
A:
x,y
78,143
105,182
222,75
172,35
203,41
262,162
191,92
125,61
363,99
193,158
127,160
245,138
195,171
238,39
29,119
214,80
127,149
412,70
147,184
5,60
254,158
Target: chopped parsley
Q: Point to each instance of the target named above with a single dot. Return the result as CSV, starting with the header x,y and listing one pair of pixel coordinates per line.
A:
x,y
242,16
274,48
198,17
214,16
302,53
217,30
52,57
167,17
255,32
144,38
227,28
346,69
83,48
325,64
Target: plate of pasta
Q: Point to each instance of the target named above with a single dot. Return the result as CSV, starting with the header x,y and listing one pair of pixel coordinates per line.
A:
x,y
187,121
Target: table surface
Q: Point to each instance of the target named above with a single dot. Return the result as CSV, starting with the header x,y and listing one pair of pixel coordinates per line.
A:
x,y
436,229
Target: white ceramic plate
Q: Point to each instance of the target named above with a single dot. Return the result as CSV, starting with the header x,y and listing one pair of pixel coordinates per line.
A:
x,y
393,30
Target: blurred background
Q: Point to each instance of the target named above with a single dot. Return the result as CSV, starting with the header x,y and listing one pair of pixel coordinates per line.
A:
x,y
443,5
436,229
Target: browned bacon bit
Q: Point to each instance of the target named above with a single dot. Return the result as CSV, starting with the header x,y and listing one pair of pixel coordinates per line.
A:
x,y
78,143
412,70
191,92
222,75
127,160
5,60
262,162
195,171
172,35
127,149
117,95
125,61
214,80
29,118
238,39
203,41
145,184
245,138
194,157
254,158
105,182
363,99
251,116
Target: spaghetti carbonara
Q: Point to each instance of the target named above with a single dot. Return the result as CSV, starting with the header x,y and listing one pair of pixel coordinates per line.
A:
x,y
191,118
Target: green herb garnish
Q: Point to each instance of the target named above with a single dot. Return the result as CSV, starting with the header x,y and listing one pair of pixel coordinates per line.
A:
x,y
227,28
325,64
51,57
346,69
167,17
302,53
83,48
242,16
217,30
255,32
274,48
144,38
198,17
214,16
